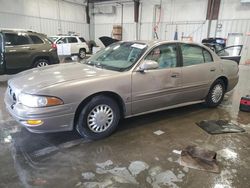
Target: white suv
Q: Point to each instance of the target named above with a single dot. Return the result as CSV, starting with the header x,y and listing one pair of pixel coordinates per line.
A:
x,y
75,45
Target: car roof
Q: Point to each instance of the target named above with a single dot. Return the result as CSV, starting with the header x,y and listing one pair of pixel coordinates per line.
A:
x,y
16,30
155,42
64,36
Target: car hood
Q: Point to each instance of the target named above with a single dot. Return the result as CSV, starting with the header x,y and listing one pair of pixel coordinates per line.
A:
x,y
33,80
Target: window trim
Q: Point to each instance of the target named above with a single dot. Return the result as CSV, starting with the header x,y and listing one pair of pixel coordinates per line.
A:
x,y
203,49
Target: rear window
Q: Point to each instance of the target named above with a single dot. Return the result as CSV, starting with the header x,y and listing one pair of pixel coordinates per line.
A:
x,y
207,56
82,39
36,39
16,39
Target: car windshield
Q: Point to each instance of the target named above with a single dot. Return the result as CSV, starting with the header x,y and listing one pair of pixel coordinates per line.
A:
x,y
119,56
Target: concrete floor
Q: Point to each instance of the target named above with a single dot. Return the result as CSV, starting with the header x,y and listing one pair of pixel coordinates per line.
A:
x,y
133,156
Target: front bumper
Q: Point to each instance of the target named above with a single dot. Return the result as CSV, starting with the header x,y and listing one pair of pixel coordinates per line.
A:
x,y
55,119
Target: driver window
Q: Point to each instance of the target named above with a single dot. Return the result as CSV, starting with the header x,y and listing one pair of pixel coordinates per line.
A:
x,y
164,55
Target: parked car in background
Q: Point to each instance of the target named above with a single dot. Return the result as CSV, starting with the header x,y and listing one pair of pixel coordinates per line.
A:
x,y
123,80
218,45
103,42
23,49
77,45
216,40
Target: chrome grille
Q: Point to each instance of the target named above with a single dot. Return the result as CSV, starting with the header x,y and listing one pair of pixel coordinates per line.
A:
x,y
12,94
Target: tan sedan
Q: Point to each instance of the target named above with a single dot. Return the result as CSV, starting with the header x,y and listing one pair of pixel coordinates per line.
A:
x,y
123,80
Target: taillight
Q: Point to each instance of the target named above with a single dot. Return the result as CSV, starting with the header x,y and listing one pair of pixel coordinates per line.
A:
x,y
54,46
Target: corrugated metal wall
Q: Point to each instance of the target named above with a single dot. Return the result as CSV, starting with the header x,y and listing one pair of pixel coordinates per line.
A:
x,y
105,29
46,23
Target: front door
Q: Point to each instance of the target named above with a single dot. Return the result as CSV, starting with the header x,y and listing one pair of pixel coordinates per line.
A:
x,y
157,88
198,72
2,65
74,45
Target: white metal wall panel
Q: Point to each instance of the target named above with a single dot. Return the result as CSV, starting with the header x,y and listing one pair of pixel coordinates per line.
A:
x,y
47,16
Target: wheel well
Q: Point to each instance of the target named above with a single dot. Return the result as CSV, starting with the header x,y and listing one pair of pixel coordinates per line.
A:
x,y
225,80
82,49
112,95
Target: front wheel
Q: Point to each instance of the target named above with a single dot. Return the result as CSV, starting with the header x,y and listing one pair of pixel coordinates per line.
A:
x,y
98,118
216,94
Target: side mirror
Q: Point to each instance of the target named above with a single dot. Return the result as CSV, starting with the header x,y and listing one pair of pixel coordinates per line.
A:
x,y
148,65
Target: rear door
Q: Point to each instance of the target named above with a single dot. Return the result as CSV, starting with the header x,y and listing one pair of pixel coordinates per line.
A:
x,y
2,65
17,50
198,72
231,53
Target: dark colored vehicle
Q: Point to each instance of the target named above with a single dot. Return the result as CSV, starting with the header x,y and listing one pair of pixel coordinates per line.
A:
x,y
218,45
219,41
215,47
22,49
107,40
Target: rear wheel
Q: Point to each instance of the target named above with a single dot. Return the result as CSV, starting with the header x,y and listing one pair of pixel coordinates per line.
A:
x,y
41,63
216,93
98,118
82,53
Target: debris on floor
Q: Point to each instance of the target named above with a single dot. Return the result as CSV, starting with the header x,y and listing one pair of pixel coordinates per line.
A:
x,y
88,175
199,158
227,154
177,151
159,132
7,139
219,127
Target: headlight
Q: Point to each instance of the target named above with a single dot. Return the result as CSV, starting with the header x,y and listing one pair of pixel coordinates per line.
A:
x,y
38,101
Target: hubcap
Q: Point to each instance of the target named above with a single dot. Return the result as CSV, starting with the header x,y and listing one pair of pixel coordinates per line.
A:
x,y
42,64
217,93
82,54
100,118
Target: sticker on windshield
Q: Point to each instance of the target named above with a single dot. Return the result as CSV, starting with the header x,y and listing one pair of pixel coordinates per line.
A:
x,y
140,46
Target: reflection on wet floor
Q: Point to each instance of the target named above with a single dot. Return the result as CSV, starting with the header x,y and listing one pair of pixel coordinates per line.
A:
x,y
134,156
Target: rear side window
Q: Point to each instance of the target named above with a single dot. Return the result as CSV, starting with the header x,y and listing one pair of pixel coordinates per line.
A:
x,y
36,39
72,40
207,56
82,39
192,55
16,39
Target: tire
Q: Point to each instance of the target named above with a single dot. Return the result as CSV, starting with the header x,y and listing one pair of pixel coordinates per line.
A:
x,y
100,108
41,63
82,53
216,94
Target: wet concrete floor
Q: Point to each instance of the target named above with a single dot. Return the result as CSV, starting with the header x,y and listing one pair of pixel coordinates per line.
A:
x,y
134,156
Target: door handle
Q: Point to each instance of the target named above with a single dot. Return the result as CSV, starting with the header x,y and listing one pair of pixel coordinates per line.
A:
x,y
175,75
212,69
